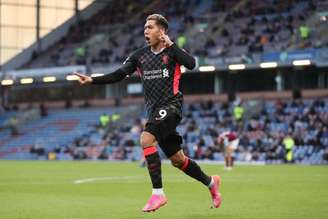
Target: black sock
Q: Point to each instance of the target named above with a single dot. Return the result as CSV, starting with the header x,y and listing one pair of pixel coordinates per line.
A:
x,y
191,168
154,168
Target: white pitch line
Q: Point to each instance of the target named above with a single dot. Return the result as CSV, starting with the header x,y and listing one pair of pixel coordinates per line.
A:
x,y
109,178
130,178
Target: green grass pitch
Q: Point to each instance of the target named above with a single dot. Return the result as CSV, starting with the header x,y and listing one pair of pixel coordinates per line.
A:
x,y
119,190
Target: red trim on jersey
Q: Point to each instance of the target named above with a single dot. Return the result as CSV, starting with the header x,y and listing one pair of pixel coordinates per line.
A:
x,y
139,71
176,79
150,150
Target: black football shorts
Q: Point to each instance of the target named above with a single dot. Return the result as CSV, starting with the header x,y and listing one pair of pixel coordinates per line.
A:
x,y
162,124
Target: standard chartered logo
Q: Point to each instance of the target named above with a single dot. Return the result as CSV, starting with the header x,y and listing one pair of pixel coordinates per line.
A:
x,y
155,74
165,73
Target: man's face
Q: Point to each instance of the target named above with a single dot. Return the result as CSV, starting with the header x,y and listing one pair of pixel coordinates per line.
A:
x,y
152,32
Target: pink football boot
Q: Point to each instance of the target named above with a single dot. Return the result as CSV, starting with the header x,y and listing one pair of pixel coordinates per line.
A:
x,y
154,203
215,193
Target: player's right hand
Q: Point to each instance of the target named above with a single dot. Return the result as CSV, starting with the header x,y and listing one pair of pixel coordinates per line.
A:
x,y
166,40
83,79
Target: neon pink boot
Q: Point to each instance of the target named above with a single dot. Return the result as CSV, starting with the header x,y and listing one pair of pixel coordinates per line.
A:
x,y
154,203
215,192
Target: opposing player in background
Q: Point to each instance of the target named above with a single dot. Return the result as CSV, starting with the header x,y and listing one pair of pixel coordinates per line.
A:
x,y
229,141
158,66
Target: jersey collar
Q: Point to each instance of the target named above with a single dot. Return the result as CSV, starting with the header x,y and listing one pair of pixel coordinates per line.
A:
x,y
156,53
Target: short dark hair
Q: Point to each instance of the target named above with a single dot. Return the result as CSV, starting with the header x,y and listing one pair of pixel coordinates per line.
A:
x,y
160,20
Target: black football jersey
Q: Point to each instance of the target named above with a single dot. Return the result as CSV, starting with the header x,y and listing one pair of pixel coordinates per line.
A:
x,y
160,75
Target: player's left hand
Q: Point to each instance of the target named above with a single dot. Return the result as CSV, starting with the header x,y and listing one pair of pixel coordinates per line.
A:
x,y
166,40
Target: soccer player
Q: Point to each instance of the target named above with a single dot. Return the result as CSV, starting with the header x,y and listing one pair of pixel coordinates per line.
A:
x,y
158,65
229,141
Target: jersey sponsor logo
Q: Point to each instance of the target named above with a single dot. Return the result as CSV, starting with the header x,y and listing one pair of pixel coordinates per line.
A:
x,y
156,74
165,73
151,77
153,72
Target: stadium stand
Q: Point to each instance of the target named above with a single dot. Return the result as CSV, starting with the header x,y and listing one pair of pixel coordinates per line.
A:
x,y
208,28
77,134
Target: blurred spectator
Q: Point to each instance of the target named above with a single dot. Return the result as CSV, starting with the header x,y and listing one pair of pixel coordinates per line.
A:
x,y
325,155
289,144
104,120
238,113
304,32
52,155
182,41
115,117
80,54
38,151
12,123
43,110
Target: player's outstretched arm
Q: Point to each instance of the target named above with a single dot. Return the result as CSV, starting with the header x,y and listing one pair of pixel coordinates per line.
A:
x,y
128,67
110,78
83,79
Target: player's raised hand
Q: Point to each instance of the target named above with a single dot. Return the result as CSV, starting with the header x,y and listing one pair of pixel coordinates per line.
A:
x,y
83,79
166,40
